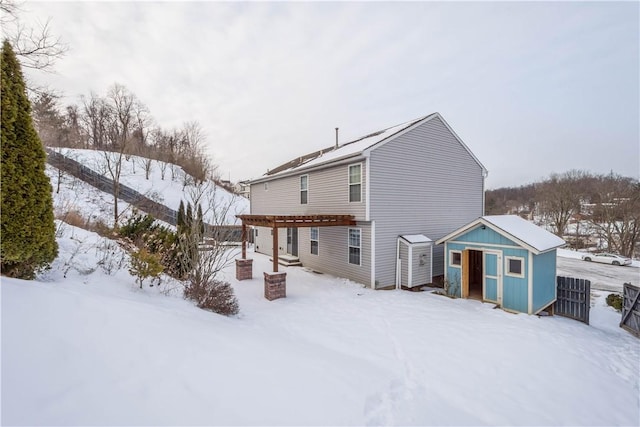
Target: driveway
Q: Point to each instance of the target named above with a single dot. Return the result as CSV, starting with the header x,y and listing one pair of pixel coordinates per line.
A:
x,y
604,277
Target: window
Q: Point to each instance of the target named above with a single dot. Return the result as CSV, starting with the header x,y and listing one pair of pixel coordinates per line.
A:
x,y
515,266
304,189
355,183
354,246
455,258
314,240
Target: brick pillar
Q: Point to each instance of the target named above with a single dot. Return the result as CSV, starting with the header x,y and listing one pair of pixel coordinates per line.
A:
x,y
275,285
244,269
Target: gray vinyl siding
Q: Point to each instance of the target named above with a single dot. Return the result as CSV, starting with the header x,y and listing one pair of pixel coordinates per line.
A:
x,y
264,241
423,182
328,194
333,252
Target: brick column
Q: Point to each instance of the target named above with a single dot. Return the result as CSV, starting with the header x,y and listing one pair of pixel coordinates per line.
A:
x,y
244,269
275,285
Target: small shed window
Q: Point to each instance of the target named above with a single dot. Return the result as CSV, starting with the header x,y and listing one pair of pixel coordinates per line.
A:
x,y
455,258
515,266
355,183
304,189
354,246
314,240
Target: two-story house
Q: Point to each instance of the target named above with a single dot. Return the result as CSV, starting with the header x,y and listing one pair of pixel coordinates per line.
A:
x,y
405,186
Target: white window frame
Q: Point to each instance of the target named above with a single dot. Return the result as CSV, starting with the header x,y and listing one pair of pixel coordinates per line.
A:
x,y
359,247
306,190
317,240
507,265
354,183
451,264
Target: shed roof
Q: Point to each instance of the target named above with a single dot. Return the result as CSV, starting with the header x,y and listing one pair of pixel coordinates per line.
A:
x,y
354,148
521,231
416,238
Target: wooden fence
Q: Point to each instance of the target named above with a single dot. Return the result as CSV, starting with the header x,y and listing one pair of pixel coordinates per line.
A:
x,y
631,309
574,297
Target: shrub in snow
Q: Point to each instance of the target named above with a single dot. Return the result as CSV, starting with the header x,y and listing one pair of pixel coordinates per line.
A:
x,y
615,301
144,265
213,295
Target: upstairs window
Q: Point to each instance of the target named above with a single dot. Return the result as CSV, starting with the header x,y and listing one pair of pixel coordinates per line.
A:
x,y
354,246
355,183
304,189
314,240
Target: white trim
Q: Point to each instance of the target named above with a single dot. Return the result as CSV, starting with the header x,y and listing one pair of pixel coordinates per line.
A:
x,y
301,190
481,221
446,269
367,199
373,253
492,245
349,245
317,240
451,252
530,277
497,278
349,184
520,275
410,266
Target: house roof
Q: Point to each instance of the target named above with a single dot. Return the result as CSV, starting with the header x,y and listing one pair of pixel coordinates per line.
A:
x,y
521,231
353,148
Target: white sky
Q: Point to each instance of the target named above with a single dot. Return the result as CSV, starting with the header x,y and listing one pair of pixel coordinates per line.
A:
x,y
532,88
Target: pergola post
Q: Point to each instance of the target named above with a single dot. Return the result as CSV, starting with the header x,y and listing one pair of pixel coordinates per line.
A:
x,y
275,249
244,240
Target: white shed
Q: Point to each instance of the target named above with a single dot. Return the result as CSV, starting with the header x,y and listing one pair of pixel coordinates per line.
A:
x,y
414,261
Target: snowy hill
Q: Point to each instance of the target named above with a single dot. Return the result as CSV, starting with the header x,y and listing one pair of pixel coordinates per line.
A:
x,y
219,205
84,345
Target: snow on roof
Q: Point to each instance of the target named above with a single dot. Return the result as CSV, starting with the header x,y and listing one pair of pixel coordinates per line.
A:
x,y
416,238
527,232
345,150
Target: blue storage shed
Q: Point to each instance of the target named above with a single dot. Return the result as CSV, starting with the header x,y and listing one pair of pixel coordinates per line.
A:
x,y
503,259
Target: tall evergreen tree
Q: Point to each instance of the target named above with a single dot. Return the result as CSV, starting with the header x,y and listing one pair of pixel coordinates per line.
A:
x,y
28,230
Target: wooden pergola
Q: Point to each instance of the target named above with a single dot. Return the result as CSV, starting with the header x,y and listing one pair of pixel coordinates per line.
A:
x,y
289,221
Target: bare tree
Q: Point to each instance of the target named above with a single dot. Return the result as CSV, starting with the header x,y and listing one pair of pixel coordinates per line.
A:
x,y
37,47
122,103
559,198
205,248
97,115
615,215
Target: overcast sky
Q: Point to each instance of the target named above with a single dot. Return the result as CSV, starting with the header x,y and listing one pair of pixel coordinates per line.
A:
x,y
531,88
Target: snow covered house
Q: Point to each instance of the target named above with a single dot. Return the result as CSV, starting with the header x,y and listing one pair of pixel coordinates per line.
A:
x,y
503,259
369,210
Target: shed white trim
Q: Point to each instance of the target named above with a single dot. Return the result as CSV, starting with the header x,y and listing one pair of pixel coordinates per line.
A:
x,y
520,231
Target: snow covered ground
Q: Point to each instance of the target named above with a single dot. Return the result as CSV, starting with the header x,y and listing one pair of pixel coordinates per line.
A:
x,y
92,348
84,345
168,191
602,276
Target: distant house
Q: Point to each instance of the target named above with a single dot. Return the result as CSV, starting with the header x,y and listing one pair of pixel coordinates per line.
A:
x,y
369,210
503,259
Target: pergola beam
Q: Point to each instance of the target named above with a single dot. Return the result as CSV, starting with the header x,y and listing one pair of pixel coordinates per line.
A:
x,y
295,221
290,221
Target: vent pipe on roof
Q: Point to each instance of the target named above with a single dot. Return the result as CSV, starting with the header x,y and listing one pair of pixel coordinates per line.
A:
x,y
337,138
